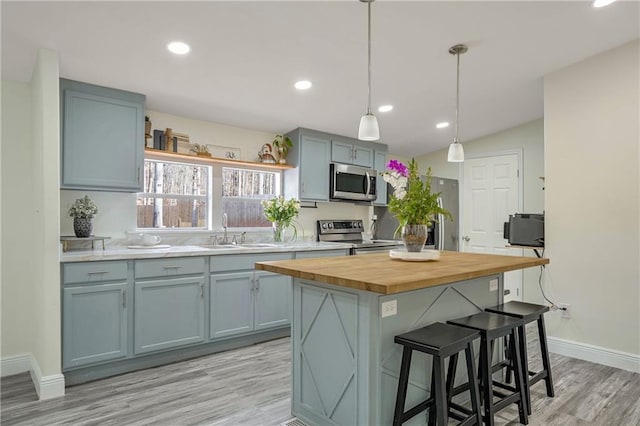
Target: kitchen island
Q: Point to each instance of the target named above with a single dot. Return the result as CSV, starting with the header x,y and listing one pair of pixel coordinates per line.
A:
x,y
346,312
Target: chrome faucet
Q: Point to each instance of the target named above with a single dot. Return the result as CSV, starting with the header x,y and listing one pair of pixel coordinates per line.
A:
x,y
225,238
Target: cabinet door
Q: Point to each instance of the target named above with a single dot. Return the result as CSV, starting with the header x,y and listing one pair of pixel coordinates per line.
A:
x,y
314,169
381,186
168,313
341,152
231,304
362,156
94,324
102,138
272,300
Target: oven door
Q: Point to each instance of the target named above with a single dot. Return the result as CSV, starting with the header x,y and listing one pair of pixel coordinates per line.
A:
x,y
352,183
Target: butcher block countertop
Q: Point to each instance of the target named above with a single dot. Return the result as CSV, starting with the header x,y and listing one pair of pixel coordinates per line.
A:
x,y
379,273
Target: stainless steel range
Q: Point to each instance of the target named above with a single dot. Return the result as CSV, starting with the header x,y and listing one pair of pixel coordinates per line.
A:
x,y
351,231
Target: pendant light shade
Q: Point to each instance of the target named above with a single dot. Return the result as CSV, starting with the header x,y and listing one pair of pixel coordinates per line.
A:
x,y
456,151
368,130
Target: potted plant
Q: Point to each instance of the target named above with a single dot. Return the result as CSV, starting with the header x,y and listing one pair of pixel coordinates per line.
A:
x,y
412,203
280,213
282,144
82,211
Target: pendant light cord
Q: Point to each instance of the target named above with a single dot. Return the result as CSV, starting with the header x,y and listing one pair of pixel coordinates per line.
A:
x,y
369,56
457,94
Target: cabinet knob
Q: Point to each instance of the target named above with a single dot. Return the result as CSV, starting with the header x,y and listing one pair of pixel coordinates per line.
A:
x,y
466,238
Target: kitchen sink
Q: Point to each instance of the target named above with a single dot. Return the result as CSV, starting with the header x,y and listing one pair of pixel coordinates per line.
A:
x,y
219,246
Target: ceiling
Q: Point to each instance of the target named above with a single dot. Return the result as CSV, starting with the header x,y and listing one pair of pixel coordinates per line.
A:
x,y
246,56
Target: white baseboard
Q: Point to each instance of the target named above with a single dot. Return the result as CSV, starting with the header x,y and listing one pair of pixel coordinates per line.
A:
x,y
15,364
597,354
47,387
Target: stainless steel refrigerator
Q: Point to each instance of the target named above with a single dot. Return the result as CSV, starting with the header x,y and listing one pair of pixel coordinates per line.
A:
x,y
444,234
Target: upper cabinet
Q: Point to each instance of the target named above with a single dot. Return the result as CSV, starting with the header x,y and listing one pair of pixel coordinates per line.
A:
x,y
102,138
347,152
309,180
311,155
380,164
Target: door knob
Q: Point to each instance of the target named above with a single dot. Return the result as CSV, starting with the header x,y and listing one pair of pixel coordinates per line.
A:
x,y
466,238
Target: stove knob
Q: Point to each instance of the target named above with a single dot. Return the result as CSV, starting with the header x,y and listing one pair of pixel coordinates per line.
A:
x,y
324,226
330,225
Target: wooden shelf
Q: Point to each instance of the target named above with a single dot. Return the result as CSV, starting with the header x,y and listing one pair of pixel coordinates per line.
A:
x,y
156,154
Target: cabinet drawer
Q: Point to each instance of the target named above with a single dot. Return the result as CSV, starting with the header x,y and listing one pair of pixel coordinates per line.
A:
x,y
237,262
169,267
321,253
94,271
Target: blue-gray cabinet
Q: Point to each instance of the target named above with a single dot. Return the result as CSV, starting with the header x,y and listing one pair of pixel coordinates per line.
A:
x,y
169,309
272,295
231,304
348,152
309,180
94,323
168,313
242,300
95,312
380,165
102,140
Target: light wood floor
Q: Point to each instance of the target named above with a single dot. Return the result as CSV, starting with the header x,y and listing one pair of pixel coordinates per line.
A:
x,y
251,386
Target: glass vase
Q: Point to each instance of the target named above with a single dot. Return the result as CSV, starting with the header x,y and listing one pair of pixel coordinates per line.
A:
x,y
278,231
414,237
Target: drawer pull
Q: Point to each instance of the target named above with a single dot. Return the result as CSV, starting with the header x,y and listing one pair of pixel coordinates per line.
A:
x,y
97,272
202,291
171,267
124,298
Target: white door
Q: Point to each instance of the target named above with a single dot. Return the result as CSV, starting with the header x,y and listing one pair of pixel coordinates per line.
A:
x,y
490,195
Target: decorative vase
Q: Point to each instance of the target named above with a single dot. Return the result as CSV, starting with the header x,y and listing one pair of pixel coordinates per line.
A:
x,y
278,231
414,237
82,226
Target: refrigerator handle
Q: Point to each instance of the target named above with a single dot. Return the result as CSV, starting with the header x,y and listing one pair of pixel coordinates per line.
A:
x,y
440,227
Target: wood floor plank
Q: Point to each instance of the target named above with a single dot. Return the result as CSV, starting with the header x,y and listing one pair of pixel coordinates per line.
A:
x,y
251,387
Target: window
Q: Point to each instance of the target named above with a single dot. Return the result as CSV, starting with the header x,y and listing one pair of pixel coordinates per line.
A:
x,y
178,195
242,193
175,195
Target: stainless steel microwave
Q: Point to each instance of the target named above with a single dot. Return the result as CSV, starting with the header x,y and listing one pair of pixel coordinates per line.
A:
x,y
352,183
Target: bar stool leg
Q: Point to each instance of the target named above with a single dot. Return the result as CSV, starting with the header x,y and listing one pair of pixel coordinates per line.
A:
x,y
473,383
440,396
432,407
542,335
522,335
507,354
451,377
517,372
403,381
487,385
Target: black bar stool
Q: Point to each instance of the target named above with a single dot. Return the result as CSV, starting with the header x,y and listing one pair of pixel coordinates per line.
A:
x,y
529,312
491,327
441,341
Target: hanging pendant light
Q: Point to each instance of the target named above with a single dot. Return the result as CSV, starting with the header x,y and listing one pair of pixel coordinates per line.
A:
x,y
456,152
369,130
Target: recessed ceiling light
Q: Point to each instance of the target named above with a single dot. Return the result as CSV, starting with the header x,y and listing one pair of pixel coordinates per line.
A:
x,y
602,3
442,125
303,85
178,47
385,108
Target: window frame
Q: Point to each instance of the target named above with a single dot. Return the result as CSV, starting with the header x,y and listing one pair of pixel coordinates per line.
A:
x,y
214,196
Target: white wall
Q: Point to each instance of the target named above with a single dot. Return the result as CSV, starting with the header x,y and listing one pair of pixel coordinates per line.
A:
x,y
592,198
529,138
18,215
118,210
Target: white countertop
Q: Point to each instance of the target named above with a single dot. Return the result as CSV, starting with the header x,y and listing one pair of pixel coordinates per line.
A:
x,y
123,252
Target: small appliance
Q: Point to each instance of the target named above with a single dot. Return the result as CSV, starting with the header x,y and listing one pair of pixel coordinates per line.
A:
x,y
525,229
352,183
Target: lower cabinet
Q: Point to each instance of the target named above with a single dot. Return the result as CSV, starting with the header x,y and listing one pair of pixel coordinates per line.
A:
x,y
272,297
242,302
169,313
94,323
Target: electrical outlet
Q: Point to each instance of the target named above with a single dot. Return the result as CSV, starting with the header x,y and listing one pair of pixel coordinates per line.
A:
x,y
389,308
493,285
564,310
